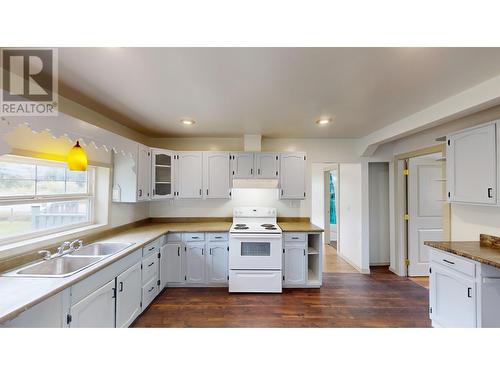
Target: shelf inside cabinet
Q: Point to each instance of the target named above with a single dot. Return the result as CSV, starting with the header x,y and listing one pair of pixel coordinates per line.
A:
x,y
441,159
312,251
162,166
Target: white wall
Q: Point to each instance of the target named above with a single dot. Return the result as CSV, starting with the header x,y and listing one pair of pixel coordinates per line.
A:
x,y
349,241
379,213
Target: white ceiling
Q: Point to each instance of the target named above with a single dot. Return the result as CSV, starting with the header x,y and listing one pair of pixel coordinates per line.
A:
x,y
276,92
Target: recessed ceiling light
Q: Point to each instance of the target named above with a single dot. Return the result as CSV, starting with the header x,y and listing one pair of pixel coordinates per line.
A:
x,y
324,121
187,122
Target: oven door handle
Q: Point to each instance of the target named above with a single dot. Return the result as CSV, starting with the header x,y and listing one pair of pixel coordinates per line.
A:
x,y
257,236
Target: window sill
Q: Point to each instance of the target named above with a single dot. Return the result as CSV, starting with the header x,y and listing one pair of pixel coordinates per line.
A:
x,y
17,248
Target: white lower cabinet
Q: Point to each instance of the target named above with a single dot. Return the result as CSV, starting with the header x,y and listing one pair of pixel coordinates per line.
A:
x,y
217,262
195,263
97,310
294,264
452,298
128,299
174,259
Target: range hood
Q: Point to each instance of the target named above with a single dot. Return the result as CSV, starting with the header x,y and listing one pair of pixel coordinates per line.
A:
x,y
255,183
252,143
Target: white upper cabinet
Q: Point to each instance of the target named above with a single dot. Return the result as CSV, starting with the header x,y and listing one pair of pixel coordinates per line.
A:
x,y
143,173
128,299
292,179
162,174
242,165
189,175
266,165
132,176
216,175
472,165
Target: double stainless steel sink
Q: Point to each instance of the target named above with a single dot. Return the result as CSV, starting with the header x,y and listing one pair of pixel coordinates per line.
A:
x,y
71,263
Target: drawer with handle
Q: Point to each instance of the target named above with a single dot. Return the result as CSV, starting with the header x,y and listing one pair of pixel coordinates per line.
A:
x,y
214,237
457,263
174,237
148,293
149,268
295,236
190,237
151,247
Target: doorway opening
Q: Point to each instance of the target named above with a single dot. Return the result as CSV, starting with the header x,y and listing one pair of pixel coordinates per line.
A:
x,y
422,212
326,213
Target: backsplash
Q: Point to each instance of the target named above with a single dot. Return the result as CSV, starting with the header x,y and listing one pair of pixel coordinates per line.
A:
x,y
224,207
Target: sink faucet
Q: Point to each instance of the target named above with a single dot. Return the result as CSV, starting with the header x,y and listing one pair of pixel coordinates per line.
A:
x,y
73,247
46,254
64,248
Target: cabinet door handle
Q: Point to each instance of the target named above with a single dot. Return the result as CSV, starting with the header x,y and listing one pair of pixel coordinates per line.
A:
x,y
295,238
251,171
140,192
469,292
200,191
210,251
121,286
149,265
218,237
207,191
195,237
178,251
258,171
304,252
202,252
448,261
490,192
150,290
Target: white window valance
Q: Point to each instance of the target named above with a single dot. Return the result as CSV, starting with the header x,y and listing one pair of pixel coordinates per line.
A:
x,y
71,128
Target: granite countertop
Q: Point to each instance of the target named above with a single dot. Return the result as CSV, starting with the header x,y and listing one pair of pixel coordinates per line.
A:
x,y
18,294
469,249
298,226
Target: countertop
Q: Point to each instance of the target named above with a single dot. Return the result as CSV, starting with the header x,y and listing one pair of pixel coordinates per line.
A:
x,y
469,249
18,294
299,226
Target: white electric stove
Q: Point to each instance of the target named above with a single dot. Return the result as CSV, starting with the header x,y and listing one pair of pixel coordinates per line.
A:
x,y
255,251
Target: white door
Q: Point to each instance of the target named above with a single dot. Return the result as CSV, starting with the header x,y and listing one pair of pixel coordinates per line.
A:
x,y
128,299
189,167
425,210
97,310
174,262
195,262
143,173
217,266
242,165
452,298
471,165
162,174
216,175
295,265
267,165
293,182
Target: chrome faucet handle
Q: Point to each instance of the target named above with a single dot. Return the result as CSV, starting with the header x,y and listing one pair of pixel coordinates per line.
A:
x,y
46,254
72,246
62,248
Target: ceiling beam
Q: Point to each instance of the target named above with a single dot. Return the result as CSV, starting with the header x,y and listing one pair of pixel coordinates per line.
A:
x,y
474,99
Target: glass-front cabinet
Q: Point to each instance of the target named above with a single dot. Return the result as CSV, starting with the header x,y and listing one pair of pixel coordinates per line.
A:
x,y
162,174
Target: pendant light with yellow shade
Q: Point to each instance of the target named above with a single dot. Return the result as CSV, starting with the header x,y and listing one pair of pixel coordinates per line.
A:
x,y
77,158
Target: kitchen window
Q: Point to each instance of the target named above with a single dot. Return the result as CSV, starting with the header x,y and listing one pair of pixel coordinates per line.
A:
x,y
40,197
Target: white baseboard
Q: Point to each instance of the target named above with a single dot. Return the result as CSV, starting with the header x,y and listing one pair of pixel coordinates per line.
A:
x,y
355,266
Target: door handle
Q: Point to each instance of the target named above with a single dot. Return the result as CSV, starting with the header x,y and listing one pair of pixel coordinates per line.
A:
x,y
210,251
150,290
200,191
490,192
202,251
448,261
140,192
207,191
258,171
251,171
121,286
149,265
469,292
178,251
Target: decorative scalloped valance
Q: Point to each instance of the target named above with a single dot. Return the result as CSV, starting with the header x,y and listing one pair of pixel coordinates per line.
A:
x,y
71,128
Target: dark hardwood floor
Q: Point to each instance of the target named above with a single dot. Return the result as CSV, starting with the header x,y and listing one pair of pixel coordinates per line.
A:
x,y
381,299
